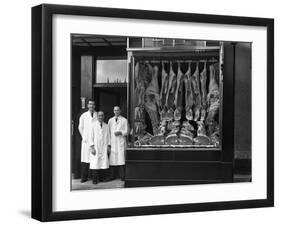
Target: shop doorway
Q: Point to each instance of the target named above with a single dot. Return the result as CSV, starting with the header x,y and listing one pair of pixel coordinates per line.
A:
x,y
108,97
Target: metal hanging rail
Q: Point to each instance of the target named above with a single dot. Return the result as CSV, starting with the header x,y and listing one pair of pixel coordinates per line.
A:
x,y
178,61
176,49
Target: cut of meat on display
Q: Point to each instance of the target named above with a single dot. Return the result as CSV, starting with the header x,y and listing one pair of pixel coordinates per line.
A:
x,y
177,103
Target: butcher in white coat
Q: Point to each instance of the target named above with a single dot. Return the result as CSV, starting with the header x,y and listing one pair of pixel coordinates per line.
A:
x,y
99,142
118,127
85,124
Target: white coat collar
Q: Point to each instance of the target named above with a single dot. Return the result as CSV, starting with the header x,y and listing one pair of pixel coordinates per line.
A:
x,y
94,114
119,118
99,124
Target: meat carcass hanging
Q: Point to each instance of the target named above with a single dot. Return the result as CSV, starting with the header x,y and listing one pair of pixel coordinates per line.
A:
x,y
196,93
139,114
151,99
164,85
189,99
213,96
163,92
140,85
143,77
179,94
203,82
170,97
139,123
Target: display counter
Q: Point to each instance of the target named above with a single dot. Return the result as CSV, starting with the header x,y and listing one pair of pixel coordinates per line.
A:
x,y
174,167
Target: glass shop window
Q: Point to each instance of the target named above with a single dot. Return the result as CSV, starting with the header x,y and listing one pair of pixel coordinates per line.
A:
x,y
111,71
176,103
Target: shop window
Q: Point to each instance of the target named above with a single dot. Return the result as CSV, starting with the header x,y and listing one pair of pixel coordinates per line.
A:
x,y
176,98
111,71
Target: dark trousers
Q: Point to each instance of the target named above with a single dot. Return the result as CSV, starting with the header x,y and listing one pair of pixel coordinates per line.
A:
x,y
117,172
84,170
99,175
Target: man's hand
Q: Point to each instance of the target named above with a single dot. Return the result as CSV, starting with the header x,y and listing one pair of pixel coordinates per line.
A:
x,y
117,133
93,151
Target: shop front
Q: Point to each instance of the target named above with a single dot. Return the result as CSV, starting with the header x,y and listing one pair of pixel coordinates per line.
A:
x,y
178,97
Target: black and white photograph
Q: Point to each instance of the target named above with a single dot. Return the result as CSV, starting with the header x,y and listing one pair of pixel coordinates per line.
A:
x,y
141,112
149,111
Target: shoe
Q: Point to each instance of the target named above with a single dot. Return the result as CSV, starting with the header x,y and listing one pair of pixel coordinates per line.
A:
x,y
107,180
83,180
95,181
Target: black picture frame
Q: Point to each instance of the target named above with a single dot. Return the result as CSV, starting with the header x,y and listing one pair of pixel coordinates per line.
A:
x,y
42,111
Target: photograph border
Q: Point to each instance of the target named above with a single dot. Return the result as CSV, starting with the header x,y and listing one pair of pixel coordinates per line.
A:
x,y
42,111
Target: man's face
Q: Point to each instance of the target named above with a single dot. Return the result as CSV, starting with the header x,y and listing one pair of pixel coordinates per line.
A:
x,y
91,106
100,116
116,111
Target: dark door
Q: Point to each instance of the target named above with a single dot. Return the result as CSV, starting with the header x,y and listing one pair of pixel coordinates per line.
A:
x,y
106,99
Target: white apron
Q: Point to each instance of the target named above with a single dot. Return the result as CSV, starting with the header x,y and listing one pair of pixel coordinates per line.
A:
x,y
118,143
99,137
85,124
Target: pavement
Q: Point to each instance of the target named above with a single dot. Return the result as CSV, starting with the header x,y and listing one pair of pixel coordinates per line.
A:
x,y
77,185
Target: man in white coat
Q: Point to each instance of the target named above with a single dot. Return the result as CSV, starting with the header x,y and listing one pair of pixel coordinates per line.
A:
x,y
118,127
85,124
99,142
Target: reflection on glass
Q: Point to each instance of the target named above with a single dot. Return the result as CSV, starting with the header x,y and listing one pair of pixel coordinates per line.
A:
x,y
111,71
